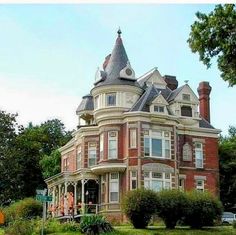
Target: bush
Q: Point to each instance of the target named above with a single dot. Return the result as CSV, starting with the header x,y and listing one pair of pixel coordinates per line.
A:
x,y
20,227
202,209
27,208
234,224
94,224
139,206
170,206
71,226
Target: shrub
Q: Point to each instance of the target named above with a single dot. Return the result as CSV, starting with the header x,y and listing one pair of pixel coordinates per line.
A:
x,y
234,224
170,206
139,206
71,226
202,209
20,227
94,224
27,208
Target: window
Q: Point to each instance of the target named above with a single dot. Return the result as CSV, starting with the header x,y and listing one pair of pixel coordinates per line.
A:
x,y
198,155
92,156
181,184
159,109
96,102
187,152
157,144
79,154
101,146
111,99
132,138
114,187
133,180
66,164
157,181
186,111
186,97
112,144
200,185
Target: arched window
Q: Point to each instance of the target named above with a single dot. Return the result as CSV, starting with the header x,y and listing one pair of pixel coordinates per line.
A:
x,y
186,111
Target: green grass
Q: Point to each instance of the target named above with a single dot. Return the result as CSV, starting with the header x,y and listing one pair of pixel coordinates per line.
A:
x,y
128,230
1,231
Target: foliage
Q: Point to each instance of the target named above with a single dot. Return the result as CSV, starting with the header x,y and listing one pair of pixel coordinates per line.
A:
x,y
170,206
94,224
24,209
70,226
227,153
139,206
214,35
202,209
51,164
20,227
234,224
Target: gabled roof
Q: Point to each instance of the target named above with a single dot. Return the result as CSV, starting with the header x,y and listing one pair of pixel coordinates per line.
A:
x,y
148,96
86,104
174,93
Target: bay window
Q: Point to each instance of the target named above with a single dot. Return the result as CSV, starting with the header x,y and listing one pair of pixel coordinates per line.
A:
x,y
157,144
157,181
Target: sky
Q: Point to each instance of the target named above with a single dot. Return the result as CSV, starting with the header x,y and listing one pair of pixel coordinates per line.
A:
x,y
49,54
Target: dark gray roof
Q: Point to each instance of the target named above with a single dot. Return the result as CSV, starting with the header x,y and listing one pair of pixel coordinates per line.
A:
x,y
205,124
86,104
148,96
174,93
117,62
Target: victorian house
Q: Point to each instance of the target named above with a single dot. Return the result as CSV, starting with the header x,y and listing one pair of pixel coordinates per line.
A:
x,y
132,133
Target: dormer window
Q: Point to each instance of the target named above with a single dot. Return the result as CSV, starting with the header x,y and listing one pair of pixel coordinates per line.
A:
x,y
111,99
186,111
159,109
186,97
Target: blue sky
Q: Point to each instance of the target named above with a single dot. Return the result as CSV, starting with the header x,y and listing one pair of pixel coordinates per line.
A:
x,y
49,55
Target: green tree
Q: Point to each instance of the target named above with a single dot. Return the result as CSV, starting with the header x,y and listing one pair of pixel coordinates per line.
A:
x,y
51,164
227,153
10,168
214,35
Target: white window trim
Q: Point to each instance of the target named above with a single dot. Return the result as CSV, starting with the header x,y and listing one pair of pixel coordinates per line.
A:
x,y
79,158
92,148
202,187
132,138
200,150
114,181
133,178
150,179
163,139
101,145
113,138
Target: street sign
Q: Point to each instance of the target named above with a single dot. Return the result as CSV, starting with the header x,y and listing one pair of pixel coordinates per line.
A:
x,y
43,198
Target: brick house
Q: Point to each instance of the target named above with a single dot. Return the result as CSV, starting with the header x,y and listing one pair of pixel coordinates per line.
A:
x,y
132,133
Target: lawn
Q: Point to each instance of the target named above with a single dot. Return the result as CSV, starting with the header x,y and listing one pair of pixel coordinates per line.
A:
x,y
125,230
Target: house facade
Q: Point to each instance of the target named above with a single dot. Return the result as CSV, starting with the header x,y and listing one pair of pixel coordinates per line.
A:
x,y
132,133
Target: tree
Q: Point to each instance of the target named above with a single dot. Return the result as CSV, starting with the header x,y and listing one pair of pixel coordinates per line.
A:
x,y
51,164
214,35
227,153
10,168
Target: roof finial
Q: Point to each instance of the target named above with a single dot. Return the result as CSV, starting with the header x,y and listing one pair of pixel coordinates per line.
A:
x,y
119,32
186,81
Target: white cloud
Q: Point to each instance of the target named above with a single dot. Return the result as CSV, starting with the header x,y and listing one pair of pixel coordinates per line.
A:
x,y
37,102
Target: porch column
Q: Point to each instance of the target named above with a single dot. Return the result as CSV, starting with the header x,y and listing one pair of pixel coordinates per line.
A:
x,y
75,198
53,200
66,200
82,196
59,200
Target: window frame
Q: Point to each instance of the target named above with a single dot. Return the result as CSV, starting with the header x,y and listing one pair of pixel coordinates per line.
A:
x,y
133,178
132,138
151,180
150,137
112,94
186,106
157,108
101,146
112,180
200,188
197,159
112,138
92,146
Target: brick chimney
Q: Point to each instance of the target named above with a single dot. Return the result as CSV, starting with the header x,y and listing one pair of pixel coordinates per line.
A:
x,y
171,81
204,90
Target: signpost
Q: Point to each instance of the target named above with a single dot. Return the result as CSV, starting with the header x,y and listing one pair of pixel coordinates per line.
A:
x,y
41,196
